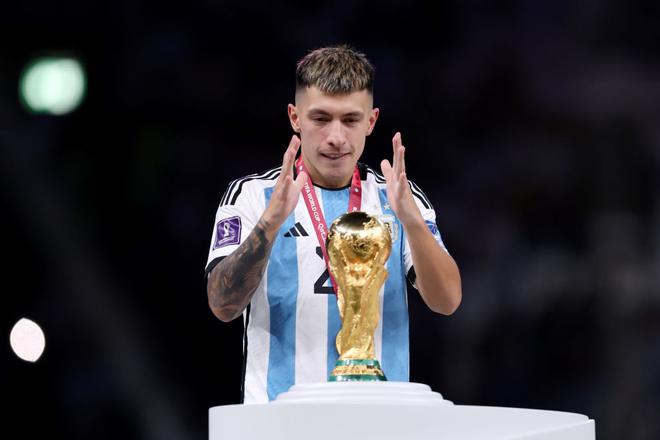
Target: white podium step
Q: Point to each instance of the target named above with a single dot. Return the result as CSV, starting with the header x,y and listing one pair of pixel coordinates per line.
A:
x,y
379,393
387,411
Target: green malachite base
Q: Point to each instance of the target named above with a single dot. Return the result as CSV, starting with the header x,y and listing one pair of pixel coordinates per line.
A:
x,y
356,378
353,370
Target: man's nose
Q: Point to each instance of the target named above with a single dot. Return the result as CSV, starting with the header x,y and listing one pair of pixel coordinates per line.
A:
x,y
336,135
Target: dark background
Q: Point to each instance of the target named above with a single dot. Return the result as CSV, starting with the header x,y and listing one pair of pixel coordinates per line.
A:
x,y
532,127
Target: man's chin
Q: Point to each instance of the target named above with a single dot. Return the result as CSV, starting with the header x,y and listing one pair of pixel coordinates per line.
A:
x,y
337,178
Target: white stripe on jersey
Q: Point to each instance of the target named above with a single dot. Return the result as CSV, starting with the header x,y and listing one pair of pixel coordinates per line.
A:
x,y
311,352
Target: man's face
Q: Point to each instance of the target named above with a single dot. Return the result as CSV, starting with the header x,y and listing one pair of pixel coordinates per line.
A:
x,y
333,130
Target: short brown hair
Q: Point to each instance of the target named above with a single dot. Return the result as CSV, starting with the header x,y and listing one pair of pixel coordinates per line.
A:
x,y
335,70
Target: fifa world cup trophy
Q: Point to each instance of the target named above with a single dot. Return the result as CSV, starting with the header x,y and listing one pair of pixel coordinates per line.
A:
x,y
358,248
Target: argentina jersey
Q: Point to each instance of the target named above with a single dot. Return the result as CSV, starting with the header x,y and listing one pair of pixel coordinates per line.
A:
x,y
293,319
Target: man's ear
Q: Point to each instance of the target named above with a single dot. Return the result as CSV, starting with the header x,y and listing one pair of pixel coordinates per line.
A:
x,y
372,120
294,119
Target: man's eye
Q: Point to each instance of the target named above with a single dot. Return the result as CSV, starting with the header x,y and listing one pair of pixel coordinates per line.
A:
x,y
350,121
320,119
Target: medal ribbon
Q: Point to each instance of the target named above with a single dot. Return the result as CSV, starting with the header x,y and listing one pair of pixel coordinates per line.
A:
x,y
316,215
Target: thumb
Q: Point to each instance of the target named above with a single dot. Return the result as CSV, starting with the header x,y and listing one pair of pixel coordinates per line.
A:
x,y
301,179
386,168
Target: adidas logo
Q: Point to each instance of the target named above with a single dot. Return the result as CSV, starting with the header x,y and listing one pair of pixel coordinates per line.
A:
x,y
296,231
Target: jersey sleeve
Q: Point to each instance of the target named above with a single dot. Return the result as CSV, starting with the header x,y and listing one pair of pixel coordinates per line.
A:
x,y
428,213
235,218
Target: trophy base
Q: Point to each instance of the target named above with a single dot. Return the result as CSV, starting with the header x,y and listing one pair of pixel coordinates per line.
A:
x,y
357,370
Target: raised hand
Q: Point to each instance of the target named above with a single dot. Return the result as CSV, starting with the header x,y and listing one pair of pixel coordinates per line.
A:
x,y
287,190
233,281
399,194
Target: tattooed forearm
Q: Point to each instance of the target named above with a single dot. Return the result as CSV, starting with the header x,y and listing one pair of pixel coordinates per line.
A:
x,y
234,280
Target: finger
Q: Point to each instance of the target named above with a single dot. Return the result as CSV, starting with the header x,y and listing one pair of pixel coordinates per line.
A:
x,y
402,159
300,180
403,180
396,143
399,150
283,184
290,156
386,168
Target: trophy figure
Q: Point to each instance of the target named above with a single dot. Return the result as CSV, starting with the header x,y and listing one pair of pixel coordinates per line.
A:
x,y
358,247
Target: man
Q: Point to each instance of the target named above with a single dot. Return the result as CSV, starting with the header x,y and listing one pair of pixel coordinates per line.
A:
x,y
267,263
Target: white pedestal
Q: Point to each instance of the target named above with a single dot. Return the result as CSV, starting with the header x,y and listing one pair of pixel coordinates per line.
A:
x,y
387,411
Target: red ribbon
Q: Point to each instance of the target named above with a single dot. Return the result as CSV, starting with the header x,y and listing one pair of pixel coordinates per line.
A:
x,y
316,214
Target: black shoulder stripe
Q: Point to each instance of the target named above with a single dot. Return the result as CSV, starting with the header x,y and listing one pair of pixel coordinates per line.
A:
x,y
228,191
233,184
237,182
426,205
379,177
413,186
420,195
273,174
236,185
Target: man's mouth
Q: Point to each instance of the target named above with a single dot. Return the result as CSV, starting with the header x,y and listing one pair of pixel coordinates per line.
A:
x,y
334,156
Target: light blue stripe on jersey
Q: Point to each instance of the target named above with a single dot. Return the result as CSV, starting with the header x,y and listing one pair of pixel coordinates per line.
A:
x,y
395,350
282,291
335,203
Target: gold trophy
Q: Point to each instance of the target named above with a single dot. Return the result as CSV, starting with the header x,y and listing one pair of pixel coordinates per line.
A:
x,y
358,247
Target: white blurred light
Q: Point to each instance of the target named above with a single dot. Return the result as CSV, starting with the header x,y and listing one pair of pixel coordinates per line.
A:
x,y
52,85
27,340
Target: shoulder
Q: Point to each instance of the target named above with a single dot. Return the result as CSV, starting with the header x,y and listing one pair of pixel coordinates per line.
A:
x,y
373,177
249,184
370,175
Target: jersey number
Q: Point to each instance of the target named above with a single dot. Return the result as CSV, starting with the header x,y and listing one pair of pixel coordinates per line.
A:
x,y
319,284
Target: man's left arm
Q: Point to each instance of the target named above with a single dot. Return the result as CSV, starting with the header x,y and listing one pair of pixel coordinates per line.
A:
x,y
437,277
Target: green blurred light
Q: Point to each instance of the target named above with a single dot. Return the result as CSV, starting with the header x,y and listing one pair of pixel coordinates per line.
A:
x,y
53,86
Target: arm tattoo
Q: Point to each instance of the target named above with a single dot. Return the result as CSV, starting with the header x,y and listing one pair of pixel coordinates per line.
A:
x,y
234,280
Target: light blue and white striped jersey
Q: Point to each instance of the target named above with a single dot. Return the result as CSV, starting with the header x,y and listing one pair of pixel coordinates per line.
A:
x,y
292,321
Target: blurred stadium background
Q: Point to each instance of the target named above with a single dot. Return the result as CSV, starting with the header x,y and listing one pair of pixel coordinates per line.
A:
x,y
532,127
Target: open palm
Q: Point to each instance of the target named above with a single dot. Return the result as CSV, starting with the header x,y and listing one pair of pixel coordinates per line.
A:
x,y
399,194
287,189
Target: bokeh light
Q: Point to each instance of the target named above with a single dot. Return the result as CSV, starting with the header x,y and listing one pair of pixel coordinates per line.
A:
x,y
27,340
52,85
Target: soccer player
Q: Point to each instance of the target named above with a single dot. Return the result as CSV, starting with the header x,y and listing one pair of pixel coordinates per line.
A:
x,y
267,256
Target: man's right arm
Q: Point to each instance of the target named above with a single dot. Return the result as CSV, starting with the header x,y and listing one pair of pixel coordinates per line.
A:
x,y
233,281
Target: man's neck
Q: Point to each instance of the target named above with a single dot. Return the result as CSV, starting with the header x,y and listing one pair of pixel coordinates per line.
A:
x,y
323,181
